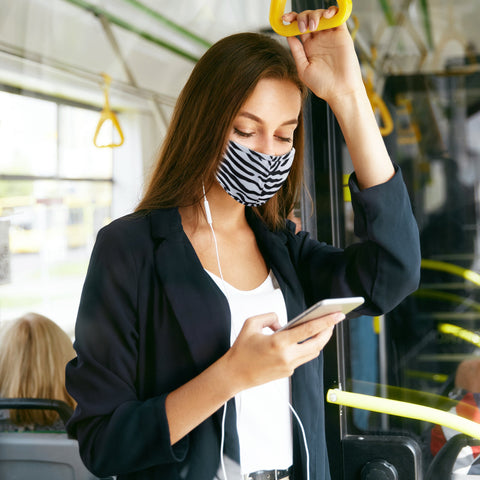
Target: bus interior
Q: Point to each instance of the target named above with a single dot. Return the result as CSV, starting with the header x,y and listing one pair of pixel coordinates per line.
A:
x,y
87,88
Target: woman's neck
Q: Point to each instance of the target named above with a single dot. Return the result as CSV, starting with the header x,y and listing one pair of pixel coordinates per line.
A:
x,y
227,214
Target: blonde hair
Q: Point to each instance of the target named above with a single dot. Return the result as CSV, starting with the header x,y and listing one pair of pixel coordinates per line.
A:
x,y
33,353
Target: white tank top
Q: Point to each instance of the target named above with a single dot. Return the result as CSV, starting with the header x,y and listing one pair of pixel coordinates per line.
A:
x,y
264,421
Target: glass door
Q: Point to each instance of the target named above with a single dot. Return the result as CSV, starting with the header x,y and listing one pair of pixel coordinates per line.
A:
x,y
421,57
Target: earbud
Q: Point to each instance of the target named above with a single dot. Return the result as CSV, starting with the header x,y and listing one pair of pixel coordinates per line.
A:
x,y
207,207
207,211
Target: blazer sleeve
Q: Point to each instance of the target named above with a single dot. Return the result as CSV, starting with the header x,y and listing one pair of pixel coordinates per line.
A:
x,y
117,432
383,267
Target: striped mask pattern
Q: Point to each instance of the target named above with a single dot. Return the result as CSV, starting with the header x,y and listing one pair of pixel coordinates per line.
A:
x,y
250,177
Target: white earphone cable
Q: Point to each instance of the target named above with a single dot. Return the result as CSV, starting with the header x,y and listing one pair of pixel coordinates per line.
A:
x,y
222,440
307,455
210,223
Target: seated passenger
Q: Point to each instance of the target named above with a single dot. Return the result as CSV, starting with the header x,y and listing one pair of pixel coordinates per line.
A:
x,y
33,353
467,376
467,392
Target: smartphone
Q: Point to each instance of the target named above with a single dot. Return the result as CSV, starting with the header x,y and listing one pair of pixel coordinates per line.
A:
x,y
324,307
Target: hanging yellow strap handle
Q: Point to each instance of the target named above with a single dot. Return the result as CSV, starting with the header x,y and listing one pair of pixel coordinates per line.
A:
x,y
378,105
277,9
107,114
404,409
356,27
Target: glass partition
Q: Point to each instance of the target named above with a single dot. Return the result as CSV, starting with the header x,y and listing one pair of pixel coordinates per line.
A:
x,y
427,351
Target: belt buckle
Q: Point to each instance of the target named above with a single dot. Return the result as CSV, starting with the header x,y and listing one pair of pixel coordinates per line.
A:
x,y
268,474
261,475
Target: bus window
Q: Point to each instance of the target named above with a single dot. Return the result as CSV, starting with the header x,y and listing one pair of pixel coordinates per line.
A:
x,y
55,194
426,351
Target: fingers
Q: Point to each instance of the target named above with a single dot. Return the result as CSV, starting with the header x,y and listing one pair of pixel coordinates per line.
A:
x,y
259,358
298,53
311,348
308,20
297,334
311,344
313,328
259,322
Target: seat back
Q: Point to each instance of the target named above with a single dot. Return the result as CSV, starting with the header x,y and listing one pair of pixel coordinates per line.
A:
x,y
443,463
40,455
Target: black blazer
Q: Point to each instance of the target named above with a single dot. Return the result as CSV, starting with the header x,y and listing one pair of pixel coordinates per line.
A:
x,y
150,319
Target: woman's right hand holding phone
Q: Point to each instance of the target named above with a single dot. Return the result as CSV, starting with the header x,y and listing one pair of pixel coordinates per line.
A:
x,y
257,358
254,359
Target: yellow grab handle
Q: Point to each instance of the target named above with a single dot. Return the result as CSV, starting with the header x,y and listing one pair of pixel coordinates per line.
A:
x,y
404,409
387,123
356,27
277,9
104,116
378,105
108,114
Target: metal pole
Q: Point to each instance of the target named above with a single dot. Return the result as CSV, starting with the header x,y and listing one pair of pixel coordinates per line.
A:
x,y
97,11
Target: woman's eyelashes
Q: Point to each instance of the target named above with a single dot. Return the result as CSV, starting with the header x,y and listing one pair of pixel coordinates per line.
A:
x,y
244,134
285,139
240,133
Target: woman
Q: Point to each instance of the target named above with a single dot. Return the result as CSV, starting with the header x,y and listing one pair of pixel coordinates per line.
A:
x,y
33,353
177,295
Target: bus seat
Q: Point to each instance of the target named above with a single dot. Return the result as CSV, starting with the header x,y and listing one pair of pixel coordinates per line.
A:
x,y
443,463
40,455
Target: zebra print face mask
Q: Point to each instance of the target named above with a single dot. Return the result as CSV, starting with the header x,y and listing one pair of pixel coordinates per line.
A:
x,y
251,177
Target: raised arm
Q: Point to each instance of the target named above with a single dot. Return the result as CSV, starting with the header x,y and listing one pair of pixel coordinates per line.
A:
x,y
327,63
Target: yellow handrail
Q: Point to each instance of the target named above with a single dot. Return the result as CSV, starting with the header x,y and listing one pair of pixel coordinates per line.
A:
x,y
108,114
447,297
434,377
460,332
404,409
466,273
419,397
277,9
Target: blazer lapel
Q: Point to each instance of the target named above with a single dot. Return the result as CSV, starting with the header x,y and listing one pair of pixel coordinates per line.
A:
x,y
198,305
307,384
275,252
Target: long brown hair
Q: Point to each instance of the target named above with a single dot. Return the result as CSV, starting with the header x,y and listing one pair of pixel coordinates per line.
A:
x,y
33,353
219,85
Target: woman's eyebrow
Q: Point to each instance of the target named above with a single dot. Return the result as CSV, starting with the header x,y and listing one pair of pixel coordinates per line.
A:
x,y
253,117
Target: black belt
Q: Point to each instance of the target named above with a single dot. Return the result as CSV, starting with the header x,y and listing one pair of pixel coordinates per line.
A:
x,y
269,474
